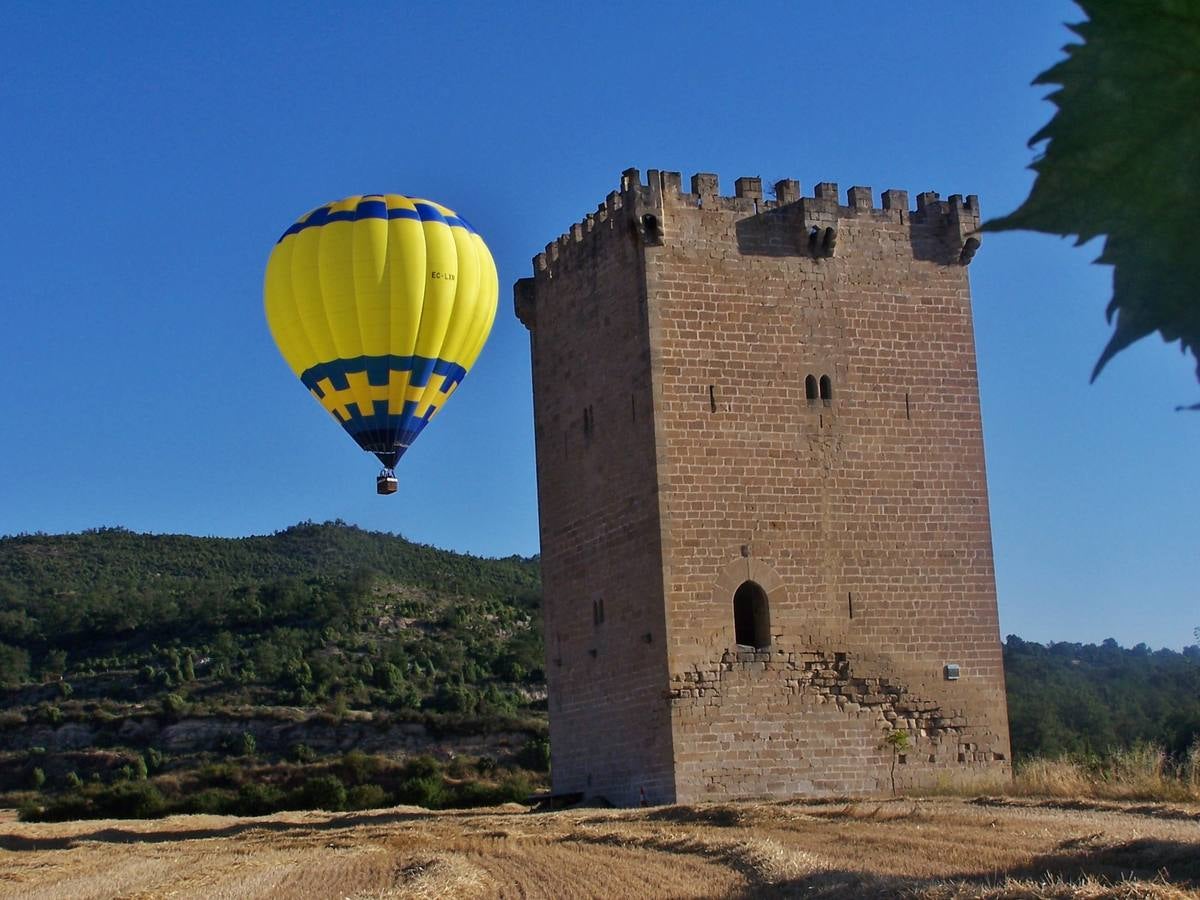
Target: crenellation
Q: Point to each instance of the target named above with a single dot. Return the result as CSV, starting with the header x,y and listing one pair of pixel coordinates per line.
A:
x,y
748,188
927,199
787,190
706,186
826,190
672,186
859,198
956,218
894,199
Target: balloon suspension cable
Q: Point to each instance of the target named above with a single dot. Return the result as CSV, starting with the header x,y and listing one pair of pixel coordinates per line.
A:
x,y
386,483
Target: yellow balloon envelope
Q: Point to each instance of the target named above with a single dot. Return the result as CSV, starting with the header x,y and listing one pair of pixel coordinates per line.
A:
x,y
381,304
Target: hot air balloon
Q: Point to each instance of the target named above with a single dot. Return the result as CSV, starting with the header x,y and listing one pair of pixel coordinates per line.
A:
x,y
381,304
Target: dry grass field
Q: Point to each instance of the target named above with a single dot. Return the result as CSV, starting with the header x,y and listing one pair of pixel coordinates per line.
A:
x,y
930,848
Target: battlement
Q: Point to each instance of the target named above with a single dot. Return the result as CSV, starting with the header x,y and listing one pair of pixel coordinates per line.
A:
x,y
644,208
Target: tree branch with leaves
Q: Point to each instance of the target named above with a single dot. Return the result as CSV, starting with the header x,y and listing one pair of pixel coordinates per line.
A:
x,y
1122,160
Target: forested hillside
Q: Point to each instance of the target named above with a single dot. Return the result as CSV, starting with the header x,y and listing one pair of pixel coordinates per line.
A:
x,y
249,607
325,665
1087,699
212,667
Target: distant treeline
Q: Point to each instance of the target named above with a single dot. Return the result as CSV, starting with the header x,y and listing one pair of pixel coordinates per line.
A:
x,y
1087,699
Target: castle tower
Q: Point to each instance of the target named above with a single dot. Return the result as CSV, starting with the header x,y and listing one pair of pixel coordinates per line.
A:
x,y
764,520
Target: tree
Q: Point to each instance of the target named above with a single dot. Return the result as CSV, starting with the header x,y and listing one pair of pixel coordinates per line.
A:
x,y
14,665
322,792
1120,161
898,741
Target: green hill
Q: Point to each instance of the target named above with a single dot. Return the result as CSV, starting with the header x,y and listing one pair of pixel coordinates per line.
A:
x,y
128,655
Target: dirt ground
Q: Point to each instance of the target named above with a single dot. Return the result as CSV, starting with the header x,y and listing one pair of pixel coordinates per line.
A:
x,y
930,848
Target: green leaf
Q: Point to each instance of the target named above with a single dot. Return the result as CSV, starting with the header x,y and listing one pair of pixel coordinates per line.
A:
x,y
1122,160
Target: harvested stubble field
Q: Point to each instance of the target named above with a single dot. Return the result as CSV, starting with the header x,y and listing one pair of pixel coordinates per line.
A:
x,y
931,848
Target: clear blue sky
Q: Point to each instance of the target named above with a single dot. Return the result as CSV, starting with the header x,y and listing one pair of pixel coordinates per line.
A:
x,y
152,153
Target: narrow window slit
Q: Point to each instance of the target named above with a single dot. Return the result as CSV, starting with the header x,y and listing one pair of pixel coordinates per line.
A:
x,y
712,398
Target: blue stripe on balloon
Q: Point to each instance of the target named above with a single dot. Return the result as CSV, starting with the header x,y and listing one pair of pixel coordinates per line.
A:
x,y
371,206
381,433
429,213
371,209
379,369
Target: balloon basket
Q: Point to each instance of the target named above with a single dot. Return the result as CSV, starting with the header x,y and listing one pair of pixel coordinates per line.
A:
x,y
386,483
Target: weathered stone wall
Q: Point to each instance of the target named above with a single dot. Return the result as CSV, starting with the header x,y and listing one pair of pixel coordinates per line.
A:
x,y
605,633
863,516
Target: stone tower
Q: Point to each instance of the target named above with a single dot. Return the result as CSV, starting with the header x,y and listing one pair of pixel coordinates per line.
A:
x,y
764,519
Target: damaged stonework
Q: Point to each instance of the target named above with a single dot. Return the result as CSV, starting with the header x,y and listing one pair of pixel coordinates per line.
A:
x,y
760,694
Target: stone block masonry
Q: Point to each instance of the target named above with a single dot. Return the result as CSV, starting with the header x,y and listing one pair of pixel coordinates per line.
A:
x,y
764,522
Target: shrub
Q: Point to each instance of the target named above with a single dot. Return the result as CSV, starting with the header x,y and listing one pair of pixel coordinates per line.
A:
x,y
130,800
302,753
422,766
516,788
473,793
14,665
428,791
535,755
211,801
37,778
367,796
60,809
174,705
259,799
453,698
355,765
321,792
221,774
